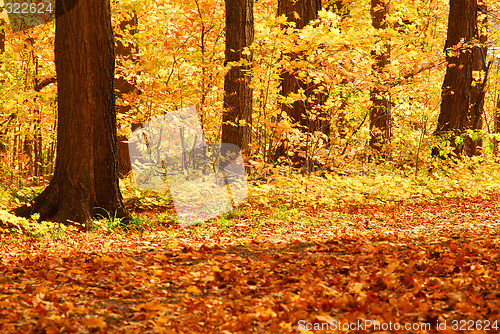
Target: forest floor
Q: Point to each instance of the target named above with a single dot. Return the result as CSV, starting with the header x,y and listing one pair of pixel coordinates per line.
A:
x,y
414,266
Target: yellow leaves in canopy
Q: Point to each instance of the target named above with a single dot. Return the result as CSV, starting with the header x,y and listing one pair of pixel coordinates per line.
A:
x,y
458,45
281,19
328,16
246,52
478,75
388,33
302,74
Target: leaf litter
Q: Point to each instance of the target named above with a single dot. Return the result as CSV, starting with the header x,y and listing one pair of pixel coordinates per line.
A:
x,y
261,272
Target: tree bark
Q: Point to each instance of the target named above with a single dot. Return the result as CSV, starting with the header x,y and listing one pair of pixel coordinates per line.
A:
x,y
85,180
380,115
307,11
2,36
464,83
124,87
238,94
3,148
342,9
302,12
496,125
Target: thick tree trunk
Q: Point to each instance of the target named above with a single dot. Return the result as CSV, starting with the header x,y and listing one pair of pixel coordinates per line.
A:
x,y
302,12
85,180
464,83
238,94
307,11
380,115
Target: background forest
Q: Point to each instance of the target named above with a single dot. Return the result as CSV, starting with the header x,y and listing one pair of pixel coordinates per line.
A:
x,y
369,91
370,135
170,55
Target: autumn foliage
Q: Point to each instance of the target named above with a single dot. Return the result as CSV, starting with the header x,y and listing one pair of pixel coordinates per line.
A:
x,y
333,232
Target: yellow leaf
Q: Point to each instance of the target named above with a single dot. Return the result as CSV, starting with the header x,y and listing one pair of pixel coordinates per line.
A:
x,y
392,266
324,318
193,289
286,325
153,305
95,322
162,320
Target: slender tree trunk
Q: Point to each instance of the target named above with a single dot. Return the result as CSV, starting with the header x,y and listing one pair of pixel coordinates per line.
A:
x,y
464,83
238,94
3,136
28,154
342,9
2,36
85,180
496,121
380,115
124,87
38,145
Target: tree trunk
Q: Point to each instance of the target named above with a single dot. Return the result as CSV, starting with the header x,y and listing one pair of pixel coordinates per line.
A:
x,y
85,180
380,115
464,83
496,124
38,145
301,111
2,36
342,9
124,87
238,94
3,148
307,11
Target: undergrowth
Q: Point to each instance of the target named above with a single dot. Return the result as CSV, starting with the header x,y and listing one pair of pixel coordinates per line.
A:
x,y
280,197
378,185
